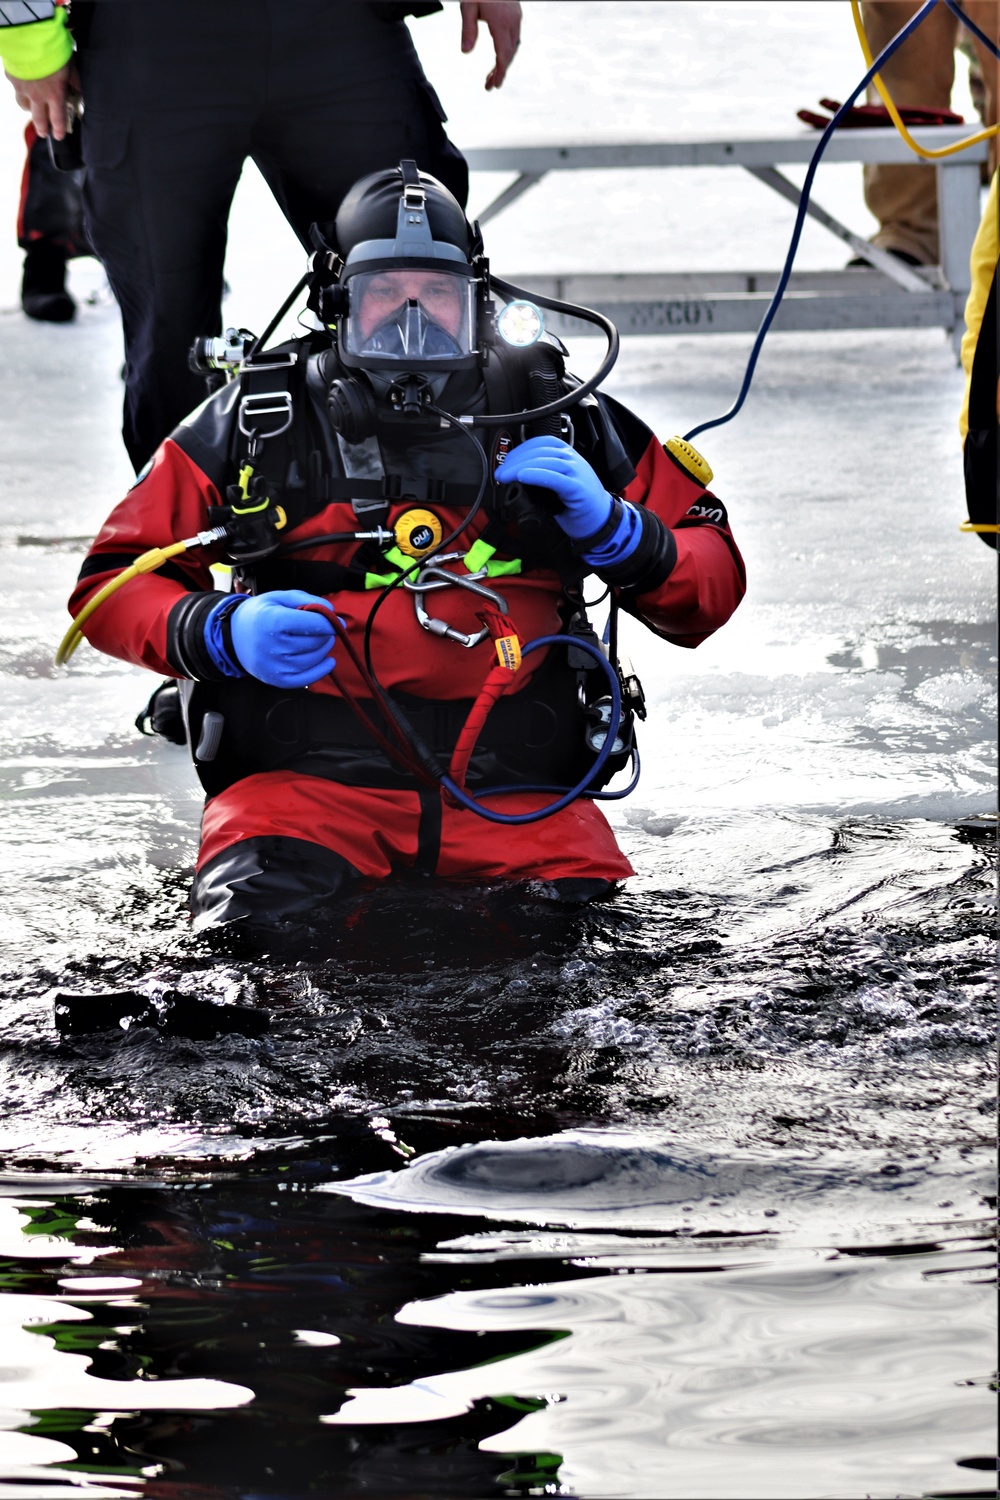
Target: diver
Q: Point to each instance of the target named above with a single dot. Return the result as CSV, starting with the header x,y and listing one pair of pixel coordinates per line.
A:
x,y
402,676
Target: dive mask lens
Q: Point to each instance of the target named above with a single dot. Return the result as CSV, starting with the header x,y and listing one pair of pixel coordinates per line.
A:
x,y
411,316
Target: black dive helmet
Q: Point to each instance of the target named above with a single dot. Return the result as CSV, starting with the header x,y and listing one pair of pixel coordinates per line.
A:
x,y
409,296
413,275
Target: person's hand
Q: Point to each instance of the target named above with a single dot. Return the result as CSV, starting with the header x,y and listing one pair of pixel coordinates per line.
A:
x,y
281,643
553,465
45,99
503,18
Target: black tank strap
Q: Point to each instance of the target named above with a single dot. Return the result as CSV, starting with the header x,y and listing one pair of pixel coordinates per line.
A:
x,y
315,577
982,467
985,366
395,489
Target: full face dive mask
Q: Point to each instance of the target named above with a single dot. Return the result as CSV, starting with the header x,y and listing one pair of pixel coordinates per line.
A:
x,y
411,302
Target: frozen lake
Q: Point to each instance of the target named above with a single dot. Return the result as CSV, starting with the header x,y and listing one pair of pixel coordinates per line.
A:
x,y
733,1245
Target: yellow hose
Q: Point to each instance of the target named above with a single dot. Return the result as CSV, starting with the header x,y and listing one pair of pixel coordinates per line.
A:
x,y
147,563
970,140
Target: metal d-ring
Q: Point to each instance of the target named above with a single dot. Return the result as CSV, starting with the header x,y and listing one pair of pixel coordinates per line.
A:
x,y
433,577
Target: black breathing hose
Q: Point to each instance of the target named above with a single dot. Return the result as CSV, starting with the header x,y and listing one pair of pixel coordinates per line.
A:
x,y
565,398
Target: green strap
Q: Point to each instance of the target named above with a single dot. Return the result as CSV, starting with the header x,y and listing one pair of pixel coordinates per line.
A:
x,y
37,48
503,569
399,563
480,555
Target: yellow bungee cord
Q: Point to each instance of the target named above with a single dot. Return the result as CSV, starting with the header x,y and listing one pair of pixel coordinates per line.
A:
x,y
894,115
147,563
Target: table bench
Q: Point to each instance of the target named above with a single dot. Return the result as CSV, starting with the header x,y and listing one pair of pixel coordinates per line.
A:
x,y
888,295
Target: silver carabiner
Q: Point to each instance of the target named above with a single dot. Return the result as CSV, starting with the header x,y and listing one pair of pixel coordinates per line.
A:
x,y
433,577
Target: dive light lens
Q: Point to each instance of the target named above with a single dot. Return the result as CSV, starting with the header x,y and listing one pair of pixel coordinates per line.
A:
x,y
520,324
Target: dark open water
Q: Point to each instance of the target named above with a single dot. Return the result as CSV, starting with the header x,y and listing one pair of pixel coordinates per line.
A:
x,y
679,1196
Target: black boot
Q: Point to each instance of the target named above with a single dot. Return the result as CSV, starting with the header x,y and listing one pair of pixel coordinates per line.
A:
x,y
43,288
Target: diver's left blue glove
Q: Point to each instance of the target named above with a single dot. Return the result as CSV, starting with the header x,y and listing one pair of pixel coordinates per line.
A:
x,y
606,531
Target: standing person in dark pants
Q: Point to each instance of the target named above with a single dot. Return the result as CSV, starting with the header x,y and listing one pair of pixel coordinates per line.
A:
x,y
178,94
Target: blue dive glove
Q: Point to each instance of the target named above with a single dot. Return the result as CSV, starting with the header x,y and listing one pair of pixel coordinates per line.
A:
x,y
270,637
553,465
607,530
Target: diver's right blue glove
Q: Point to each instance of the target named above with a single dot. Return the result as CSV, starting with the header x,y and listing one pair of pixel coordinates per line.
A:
x,y
270,637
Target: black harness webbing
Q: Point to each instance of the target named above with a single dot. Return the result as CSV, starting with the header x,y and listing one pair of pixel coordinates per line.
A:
x,y
274,437
533,735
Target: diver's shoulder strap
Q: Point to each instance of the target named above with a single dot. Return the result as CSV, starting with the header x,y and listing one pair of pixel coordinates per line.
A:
x,y
363,465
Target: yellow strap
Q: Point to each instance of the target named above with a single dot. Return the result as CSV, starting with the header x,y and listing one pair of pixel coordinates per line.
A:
x,y
894,115
508,649
978,526
246,474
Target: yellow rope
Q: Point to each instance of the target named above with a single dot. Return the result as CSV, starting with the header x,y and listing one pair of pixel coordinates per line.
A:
x,y
147,563
970,140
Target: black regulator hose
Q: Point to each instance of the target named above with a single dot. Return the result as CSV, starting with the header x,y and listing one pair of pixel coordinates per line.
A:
x,y
259,343
566,398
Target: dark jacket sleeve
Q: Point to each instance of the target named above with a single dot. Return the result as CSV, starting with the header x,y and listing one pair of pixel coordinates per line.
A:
x,y
398,10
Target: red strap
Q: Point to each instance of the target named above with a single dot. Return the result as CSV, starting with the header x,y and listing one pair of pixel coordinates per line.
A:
x,y
860,116
497,683
328,613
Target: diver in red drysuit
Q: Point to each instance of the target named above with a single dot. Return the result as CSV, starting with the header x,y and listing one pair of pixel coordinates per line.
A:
x,y
348,430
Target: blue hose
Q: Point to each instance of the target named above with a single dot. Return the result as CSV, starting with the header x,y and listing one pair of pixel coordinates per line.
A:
x,y
472,804
971,25
800,217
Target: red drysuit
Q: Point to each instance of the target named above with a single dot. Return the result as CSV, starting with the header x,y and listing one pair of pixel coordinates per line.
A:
x,y
300,799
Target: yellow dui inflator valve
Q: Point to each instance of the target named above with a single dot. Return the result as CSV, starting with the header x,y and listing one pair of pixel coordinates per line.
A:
x,y
690,459
147,563
417,532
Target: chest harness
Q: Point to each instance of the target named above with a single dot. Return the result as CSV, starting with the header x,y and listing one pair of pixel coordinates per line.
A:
x,y
277,433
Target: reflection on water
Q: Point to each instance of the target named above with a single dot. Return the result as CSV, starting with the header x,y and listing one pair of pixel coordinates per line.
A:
x,y
400,1355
